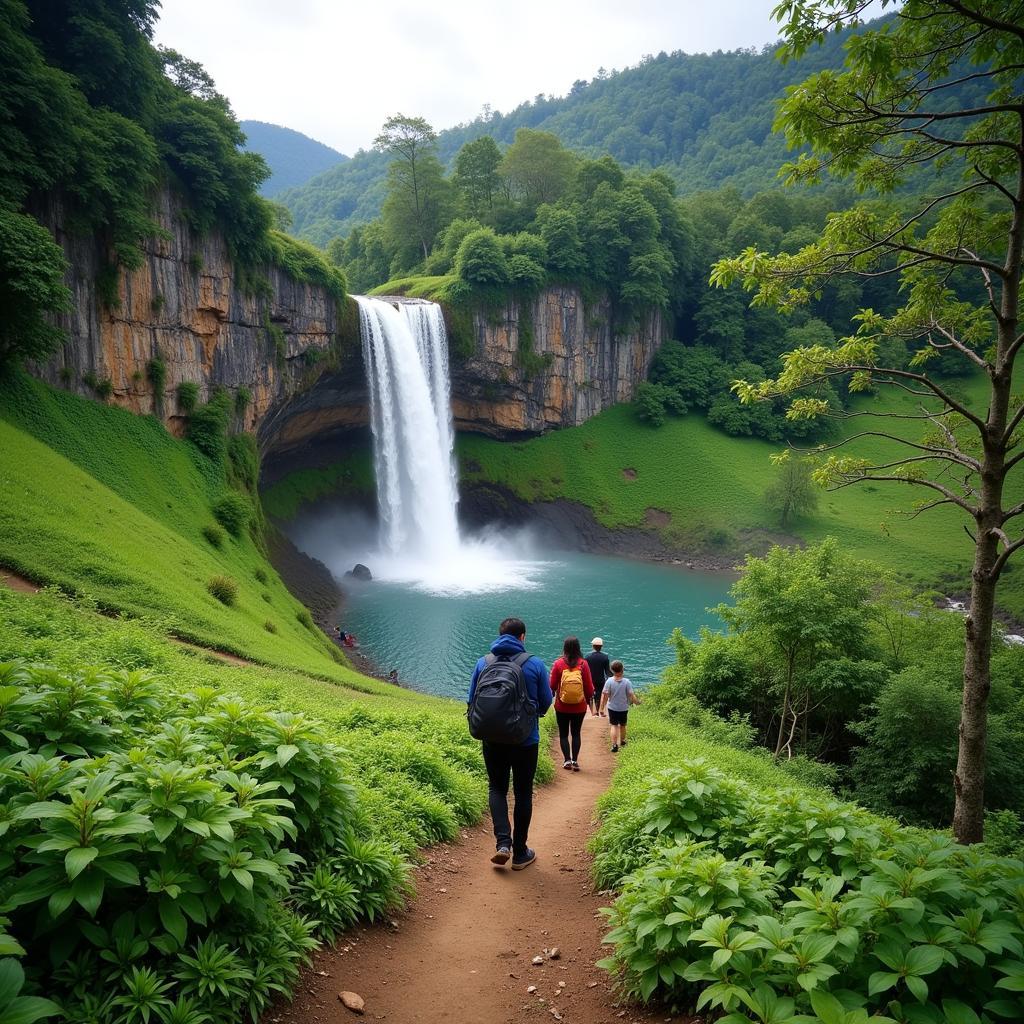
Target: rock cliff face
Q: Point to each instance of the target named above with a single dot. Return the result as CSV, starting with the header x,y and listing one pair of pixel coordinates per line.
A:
x,y
186,306
554,363
551,362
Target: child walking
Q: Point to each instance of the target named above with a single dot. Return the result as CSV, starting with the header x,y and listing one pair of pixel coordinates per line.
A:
x,y
617,696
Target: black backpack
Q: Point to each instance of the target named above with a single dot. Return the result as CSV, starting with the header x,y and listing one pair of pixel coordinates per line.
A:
x,y
501,710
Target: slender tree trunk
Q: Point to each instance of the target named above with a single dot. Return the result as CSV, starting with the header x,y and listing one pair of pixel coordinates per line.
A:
x,y
785,703
969,781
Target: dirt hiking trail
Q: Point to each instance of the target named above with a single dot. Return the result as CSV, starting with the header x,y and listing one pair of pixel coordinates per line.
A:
x,y
462,951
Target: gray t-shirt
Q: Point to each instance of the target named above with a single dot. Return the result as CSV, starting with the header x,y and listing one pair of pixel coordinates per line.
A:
x,y
618,692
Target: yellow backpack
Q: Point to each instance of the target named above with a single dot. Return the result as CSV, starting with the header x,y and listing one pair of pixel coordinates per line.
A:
x,y
570,686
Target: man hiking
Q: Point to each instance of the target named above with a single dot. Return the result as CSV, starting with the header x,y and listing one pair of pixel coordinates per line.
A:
x,y
599,665
508,693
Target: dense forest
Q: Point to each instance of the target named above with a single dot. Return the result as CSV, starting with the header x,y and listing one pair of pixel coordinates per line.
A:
x,y
291,157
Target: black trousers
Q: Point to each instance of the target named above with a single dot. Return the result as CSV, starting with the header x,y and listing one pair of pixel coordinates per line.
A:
x,y
502,760
570,723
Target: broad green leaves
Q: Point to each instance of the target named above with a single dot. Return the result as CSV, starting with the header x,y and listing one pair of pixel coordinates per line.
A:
x,y
811,910
160,850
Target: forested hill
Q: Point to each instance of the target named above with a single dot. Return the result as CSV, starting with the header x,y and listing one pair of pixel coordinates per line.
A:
x,y
293,158
705,118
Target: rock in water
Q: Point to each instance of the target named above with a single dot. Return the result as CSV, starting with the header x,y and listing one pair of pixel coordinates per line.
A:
x,y
352,1001
360,572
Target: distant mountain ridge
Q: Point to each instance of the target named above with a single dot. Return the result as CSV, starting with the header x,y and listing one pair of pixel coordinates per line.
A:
x,y
704,118
293,158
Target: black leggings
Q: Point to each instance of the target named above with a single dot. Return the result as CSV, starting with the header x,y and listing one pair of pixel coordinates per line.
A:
x,y
567,721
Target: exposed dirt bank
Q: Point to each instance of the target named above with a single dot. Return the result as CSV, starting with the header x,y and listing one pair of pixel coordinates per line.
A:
x,y
463,950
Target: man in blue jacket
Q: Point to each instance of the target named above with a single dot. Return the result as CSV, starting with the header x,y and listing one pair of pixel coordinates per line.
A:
x,y
520,761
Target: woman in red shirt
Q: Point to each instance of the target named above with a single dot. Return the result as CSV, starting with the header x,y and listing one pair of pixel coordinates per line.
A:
x,y
573,688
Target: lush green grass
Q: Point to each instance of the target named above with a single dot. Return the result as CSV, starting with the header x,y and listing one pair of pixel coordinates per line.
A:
x,y
712,487
437,288
108,505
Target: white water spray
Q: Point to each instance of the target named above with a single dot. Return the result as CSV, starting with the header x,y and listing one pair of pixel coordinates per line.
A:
x,y
405,350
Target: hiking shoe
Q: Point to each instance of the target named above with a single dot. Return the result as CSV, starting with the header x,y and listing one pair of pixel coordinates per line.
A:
x,y
501,856
575,766
615,748
567,765
523,860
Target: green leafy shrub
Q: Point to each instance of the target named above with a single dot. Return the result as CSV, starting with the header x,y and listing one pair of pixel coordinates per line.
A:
x,y
269,626
304,618
234,512
260,575
213,534
243,396
224,588
188,395
806,904
31,287
481,259
244,461
168,836
208,425
156,372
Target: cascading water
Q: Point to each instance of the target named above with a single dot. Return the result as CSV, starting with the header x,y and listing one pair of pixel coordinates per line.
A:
x,y
405,350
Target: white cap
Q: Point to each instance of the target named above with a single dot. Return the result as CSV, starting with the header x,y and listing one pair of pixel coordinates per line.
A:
x,y
597,642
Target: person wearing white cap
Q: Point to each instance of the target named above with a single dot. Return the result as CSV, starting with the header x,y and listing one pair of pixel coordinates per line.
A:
x,y
599,665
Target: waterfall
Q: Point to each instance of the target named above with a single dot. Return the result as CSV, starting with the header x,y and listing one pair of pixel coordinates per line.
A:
x,y
406,355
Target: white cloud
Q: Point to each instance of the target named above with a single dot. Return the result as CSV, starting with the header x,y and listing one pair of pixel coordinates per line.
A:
x,y
336,71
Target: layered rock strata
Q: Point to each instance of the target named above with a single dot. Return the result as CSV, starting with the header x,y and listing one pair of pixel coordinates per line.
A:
x,y
186,307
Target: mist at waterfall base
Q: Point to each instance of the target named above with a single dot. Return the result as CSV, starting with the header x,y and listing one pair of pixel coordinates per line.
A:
x,y
437,596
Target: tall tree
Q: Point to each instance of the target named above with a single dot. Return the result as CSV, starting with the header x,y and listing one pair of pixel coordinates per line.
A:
x,y
538,167
476,175
792,492
895,112
415,178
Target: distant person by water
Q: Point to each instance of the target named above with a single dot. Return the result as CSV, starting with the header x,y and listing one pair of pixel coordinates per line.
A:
x,y
573,689
597,662
618,695
507,694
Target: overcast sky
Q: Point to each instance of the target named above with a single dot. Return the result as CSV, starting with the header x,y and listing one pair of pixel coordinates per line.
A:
x,y
335,70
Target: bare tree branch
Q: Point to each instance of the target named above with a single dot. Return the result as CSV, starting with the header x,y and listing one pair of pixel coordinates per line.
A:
x,y
953,498
976,16
1005,554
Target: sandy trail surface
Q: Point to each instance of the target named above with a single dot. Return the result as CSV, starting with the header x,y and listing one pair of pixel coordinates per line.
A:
x,y
463,950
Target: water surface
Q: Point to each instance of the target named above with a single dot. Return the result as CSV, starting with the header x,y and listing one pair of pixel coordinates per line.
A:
x,y
433,636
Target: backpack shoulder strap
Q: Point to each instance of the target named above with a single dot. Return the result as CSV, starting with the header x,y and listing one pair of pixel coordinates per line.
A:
x,y
522,659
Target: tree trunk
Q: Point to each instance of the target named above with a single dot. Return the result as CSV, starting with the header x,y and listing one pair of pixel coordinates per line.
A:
x,y
969,780
785,703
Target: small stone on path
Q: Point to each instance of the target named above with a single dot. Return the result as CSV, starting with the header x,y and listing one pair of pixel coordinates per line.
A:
x,y
555,953
538,960
531,990
352,1001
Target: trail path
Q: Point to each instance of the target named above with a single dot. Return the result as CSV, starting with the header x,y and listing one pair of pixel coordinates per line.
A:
x,y
462,951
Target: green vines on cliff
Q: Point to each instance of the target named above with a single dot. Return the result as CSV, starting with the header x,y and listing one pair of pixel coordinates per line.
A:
x,y
530,362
